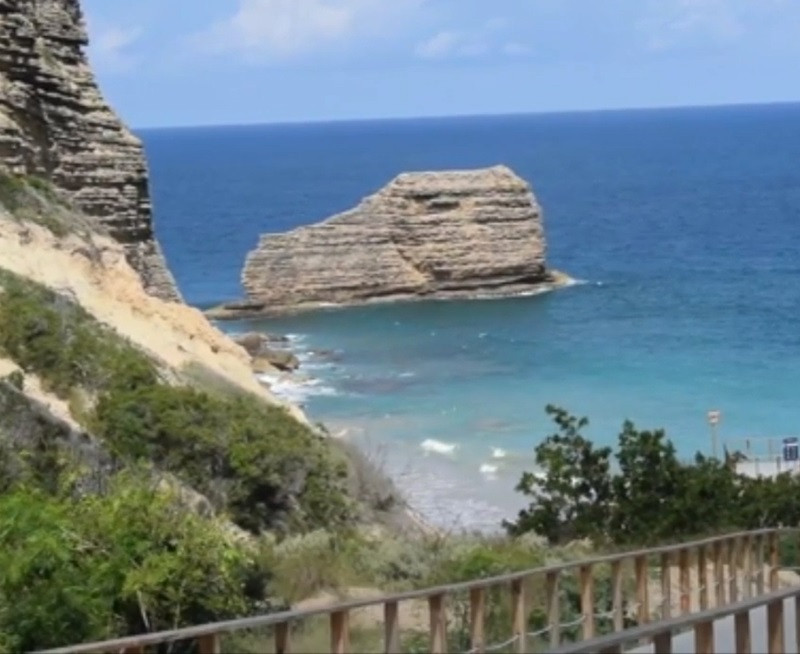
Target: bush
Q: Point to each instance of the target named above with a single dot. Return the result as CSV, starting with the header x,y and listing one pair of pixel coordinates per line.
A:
x,y
129,561
252,459
303,565
652,497
34,199
47,334
255,460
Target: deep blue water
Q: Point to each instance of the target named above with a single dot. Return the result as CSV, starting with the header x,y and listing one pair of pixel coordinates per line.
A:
x,y
685,225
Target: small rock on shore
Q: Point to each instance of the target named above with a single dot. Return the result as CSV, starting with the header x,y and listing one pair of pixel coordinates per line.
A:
x,y
264,356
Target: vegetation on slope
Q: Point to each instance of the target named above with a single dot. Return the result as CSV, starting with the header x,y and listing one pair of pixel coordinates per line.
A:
x,y
643,494
33,199
50,335
253,460
122,553
129,560
92,549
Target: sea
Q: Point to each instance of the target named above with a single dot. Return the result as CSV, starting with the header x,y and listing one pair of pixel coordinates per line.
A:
x,y
681,225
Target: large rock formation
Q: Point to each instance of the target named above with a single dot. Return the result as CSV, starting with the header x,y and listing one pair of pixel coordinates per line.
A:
x,y
469,233
55,124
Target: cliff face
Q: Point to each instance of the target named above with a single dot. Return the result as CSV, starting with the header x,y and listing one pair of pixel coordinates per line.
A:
x,y
55,124
440,234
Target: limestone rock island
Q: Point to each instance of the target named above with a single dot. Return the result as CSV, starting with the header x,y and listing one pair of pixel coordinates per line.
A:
x,y
448,234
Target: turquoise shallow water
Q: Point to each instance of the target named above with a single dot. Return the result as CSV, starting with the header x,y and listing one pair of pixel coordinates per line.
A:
x,y
684,224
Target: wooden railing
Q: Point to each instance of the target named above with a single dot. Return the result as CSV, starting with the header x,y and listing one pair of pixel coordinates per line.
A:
x,y
701,625
719,572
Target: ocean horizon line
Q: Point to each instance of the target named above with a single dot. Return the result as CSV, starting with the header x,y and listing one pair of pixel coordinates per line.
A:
x,y
429,118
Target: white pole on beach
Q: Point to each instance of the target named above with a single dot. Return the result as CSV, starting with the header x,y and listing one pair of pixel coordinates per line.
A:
x,y
713,421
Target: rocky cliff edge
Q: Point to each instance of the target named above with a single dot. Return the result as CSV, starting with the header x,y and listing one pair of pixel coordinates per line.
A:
x,y
55,124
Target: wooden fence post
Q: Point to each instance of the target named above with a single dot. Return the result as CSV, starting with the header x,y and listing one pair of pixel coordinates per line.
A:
x,y
719,573
662,643
746,552
438,622
704,638
477,615
340,632
519,615
702,578
684,580
616,595
587,601
774,560
759,556
775,640
733,570
741,624
553,608
283,644
391,628
666,587
209,644
642,594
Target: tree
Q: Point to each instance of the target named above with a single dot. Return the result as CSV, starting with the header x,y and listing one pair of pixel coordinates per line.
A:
x,y
651,498
570,498
644,491
708,499
770,501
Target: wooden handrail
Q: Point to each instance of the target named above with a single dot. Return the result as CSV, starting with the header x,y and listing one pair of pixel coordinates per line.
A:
x,y
657,630
437,599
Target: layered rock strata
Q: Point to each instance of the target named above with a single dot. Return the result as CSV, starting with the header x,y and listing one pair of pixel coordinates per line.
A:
x,y
55,124
452,234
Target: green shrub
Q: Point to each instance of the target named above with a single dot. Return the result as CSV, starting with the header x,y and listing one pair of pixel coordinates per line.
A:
x,y
129,561
252,459
255,460
16,379
652,497
303,565
55,338
34,199
12,191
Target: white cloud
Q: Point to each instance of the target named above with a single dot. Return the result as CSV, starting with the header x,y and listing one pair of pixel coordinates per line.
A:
x,y
675,23
487,39
449,43
109,47
288,28
442,44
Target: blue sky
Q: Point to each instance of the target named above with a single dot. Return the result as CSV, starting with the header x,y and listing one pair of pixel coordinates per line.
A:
x,y
202,62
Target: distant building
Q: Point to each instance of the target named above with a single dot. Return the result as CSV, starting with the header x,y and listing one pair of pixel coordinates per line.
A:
x,y
783,455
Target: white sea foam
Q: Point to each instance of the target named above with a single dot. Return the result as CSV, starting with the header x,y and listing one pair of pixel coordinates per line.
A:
x,y
488,470
296,390
310,361
431,445
499,453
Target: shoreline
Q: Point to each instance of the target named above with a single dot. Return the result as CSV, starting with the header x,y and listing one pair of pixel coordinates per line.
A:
x,y
249,309
377,490
415,490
